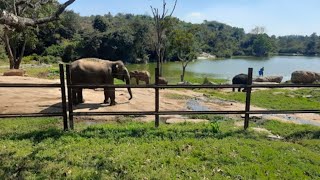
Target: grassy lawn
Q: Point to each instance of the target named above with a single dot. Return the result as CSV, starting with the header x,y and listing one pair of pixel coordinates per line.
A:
x,y
38,149
280,99
40,72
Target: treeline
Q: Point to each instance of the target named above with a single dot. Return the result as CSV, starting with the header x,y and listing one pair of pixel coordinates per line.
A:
x,y
131,38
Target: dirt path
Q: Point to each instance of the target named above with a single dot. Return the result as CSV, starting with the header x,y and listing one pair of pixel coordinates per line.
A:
x,y
34,100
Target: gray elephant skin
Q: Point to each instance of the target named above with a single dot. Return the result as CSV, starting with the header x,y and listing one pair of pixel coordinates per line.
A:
x,y
95,71
240,79
141,76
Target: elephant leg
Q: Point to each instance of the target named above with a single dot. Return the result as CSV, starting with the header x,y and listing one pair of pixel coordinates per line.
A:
x,y
106,96
74,96
112,97
233,89
239,89
80,96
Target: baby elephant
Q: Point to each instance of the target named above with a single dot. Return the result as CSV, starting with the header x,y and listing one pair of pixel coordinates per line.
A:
x,y
140,76
163,81
240,79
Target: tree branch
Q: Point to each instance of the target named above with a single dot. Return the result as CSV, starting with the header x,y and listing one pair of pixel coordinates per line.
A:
x,y
19,22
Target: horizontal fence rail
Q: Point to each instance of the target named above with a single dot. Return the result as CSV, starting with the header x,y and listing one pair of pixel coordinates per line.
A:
x,y
20,85
155,113
30,115
223,86
29,85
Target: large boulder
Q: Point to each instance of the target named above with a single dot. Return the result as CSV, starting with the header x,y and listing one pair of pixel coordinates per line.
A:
x,y
276,79
304,77
14,72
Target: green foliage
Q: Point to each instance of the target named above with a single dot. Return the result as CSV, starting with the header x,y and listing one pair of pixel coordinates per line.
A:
x,y
54,50
49,59
261,45
3,55
69,53
30,58
99,24
131,38
275,99
39,149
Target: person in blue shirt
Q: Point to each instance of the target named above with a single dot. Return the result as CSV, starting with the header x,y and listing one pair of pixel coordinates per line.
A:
x,y
261,71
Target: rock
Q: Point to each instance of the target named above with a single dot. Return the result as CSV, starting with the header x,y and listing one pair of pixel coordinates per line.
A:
x,y
204,55
304,77
276,79
14,72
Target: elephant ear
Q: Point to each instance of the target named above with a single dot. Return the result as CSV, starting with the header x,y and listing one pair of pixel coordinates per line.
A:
x,y
115,69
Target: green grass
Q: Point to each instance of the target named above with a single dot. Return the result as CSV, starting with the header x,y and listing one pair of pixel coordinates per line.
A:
x,y
40,72
279,99
177,96
39,149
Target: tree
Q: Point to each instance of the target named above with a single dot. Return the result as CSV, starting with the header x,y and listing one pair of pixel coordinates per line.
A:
x,y
312,45
258,30
99,24
184,44
160,28
261,45
19,17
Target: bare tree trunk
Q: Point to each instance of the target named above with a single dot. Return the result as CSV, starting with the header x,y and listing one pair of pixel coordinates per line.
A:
x,y
160,30
183,72
8,48
19,59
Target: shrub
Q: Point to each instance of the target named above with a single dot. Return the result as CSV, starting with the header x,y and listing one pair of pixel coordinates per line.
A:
x,y
54,50
49,59
30,58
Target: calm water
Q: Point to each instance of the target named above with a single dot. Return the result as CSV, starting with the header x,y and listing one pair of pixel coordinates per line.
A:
x,y
227,68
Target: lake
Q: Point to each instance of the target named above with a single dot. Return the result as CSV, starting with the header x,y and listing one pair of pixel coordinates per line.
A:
x,y
227,68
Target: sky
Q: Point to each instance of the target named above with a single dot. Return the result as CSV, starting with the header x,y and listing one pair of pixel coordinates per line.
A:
x,y
278,17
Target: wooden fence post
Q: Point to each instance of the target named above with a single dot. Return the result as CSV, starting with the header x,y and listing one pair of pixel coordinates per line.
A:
x,y
70,98
248,99
157,97
63,97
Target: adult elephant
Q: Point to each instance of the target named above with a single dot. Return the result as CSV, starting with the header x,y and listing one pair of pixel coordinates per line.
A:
x,y
98,72
240,79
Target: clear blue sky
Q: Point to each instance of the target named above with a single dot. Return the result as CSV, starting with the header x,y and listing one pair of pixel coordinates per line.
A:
x,y
279,17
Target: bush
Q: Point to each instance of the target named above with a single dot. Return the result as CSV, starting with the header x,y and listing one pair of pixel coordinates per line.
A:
x,y
3,54
30,58
49,59
54,50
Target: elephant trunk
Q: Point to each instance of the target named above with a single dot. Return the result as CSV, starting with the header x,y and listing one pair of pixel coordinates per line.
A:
x,y
127,78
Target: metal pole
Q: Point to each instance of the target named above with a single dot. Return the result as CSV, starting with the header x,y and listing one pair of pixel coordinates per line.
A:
x,y
157,98
63,97
70,98
248,99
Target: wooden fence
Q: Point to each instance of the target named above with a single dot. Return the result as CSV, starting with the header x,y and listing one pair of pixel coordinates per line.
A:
x,y
69,111
62,87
